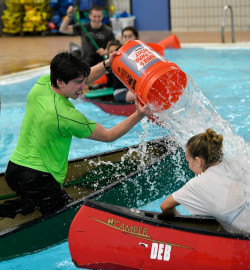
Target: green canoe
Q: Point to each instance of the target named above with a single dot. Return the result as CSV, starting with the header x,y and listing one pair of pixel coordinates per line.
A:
x,y
86,176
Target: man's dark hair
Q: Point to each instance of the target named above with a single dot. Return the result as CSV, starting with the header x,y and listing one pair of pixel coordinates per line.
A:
x,y
96,7
67,66
133,29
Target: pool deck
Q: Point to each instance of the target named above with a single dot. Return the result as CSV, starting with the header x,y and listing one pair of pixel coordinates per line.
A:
x,y
19,53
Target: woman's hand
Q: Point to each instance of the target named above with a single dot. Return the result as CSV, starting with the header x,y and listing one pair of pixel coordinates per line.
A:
x,y
168,206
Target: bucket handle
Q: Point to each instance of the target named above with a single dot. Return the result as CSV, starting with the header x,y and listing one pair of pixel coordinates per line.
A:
x,y
137,96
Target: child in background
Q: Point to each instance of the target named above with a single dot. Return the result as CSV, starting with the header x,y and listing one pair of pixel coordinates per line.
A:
x,y
121,92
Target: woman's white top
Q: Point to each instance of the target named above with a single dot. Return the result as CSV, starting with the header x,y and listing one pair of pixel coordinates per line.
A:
x,y
217,193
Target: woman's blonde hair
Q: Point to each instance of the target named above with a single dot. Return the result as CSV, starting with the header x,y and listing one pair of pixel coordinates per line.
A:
x,y
207,145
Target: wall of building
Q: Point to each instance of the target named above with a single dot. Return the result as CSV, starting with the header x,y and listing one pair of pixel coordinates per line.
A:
x,y
196,15
207,15
148,16
120,5
151,17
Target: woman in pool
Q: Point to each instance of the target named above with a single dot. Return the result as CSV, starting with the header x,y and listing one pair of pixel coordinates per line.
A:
x,y
214,191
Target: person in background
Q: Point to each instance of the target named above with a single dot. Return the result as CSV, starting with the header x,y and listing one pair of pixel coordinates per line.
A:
x,y
100,32
214,191
121,92
113,45
129,33
38,165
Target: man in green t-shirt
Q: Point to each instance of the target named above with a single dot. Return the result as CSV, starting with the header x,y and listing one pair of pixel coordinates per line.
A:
x,y
38,165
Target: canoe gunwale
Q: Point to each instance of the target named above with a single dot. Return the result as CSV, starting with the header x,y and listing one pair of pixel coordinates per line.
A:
x,y
160,220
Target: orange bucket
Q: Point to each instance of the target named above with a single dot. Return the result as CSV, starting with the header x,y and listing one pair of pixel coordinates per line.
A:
x,y
171,42
157,47
155,80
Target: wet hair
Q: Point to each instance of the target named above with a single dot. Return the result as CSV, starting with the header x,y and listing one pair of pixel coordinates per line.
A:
x,y
96,7
114,42
67,66
132,29
207,145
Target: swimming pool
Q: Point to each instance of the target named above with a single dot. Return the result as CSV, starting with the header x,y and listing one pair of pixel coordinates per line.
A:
x,y
223,76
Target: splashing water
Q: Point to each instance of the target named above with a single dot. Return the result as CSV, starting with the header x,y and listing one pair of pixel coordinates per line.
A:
x,y
192,114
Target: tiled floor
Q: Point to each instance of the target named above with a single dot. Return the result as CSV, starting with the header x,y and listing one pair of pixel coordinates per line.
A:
x,y
22,53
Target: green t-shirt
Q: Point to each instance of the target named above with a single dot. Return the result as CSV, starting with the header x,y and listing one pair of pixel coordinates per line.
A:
x,y
49,123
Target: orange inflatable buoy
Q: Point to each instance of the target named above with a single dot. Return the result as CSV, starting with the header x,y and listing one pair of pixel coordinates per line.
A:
x,y
171,42
149,75
157,47
102,80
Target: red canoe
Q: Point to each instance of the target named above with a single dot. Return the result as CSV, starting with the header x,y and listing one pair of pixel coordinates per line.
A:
x,y
104,236
103,98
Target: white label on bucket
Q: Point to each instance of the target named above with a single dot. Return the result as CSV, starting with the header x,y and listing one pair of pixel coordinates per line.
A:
x,y
142,56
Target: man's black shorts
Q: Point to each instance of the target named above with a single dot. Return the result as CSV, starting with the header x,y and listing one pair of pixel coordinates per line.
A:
x,y
37,190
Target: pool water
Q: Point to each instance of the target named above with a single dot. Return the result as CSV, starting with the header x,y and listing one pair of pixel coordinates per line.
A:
x,y
223,78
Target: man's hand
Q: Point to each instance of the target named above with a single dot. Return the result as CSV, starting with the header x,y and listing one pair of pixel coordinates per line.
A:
x,y
111,57
70,11
101,52
142,109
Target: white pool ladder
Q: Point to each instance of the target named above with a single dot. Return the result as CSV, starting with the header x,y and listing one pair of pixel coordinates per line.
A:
x,y
224,21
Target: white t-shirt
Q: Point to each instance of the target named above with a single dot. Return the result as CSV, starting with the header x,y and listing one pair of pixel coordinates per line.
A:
x,y
217,193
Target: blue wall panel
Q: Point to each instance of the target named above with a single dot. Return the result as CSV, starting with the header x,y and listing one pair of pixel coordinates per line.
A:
x,y
151,14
